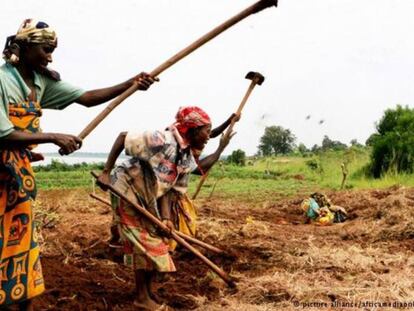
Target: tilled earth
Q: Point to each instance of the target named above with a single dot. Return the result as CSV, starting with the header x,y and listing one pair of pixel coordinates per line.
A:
x,y
278,261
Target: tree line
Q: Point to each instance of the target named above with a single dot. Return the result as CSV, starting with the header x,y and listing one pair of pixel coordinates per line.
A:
x,y
277,140
392,145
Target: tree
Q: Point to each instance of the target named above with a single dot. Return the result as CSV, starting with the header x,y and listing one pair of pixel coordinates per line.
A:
x,y
315,148
370,141
276,140
393,144
302,148
328,144
354,143
237,157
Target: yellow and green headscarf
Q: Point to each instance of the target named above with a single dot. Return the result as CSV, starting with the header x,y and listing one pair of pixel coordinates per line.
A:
x,y
30,31
33,31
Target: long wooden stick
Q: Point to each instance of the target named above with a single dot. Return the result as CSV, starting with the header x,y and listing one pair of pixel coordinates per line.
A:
x,y
255,8
217,180
344,168
228,132
230,282
200,184
241,106
183,235
102,200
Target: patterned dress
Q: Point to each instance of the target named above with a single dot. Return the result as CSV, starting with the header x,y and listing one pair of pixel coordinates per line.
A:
x,y
21,275
183,215
158,165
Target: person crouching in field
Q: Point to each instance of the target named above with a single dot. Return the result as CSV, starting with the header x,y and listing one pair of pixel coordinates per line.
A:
x,y
183,212
181,209
27,86
161,161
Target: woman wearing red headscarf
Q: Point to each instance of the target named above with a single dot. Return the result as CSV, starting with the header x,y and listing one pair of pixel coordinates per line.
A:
x,y
182,212
160,162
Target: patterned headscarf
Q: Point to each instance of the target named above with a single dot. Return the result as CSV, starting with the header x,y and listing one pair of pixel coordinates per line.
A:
x,y
34,31
30,31
185,119
190,117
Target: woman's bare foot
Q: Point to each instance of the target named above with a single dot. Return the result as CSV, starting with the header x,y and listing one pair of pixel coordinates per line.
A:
x,y
147,304
142,282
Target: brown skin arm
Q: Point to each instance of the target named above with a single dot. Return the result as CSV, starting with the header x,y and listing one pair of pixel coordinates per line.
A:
x,y
99,96
220,129
116,150
164,203
207,162
19,139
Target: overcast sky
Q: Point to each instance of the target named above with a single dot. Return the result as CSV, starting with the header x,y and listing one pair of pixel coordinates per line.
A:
x,y
342,61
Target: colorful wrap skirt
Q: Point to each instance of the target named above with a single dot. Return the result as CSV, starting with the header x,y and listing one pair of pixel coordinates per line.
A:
x,y
144,248
21,275
184,216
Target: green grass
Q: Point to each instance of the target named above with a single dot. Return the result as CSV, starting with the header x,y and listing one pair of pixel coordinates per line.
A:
x,y
63,179
273,177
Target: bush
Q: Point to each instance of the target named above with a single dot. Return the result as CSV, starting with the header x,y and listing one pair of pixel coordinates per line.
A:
x,y
393,144
312,164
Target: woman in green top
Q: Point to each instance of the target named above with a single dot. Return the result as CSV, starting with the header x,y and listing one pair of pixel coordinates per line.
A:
x,y
27,86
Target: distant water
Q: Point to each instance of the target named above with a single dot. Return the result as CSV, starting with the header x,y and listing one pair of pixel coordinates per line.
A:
x,y
76,158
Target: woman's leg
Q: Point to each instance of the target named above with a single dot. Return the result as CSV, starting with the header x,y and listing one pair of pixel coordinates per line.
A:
x,y
143,284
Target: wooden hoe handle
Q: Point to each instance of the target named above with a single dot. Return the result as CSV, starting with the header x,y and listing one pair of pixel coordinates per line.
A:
x,y
255,8
257,79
